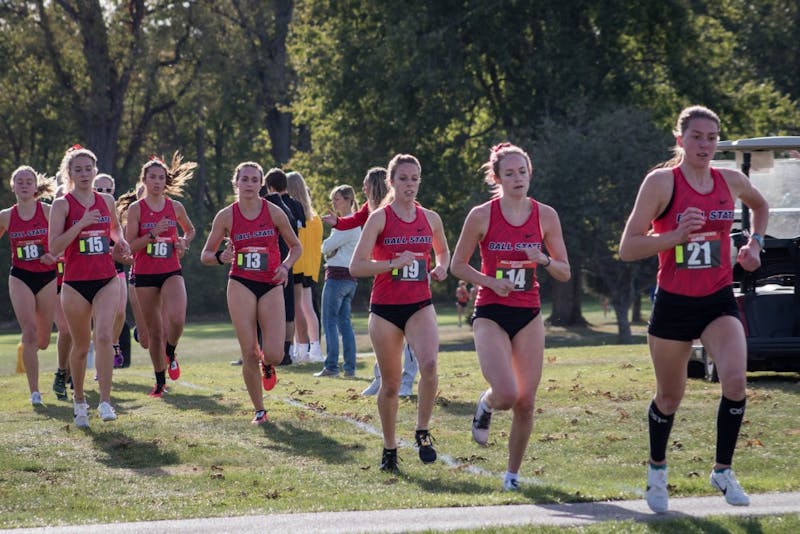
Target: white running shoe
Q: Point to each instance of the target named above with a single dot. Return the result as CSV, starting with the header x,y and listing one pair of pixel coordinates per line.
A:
x,y
36,399
81,412
726,482
315,353
106,411
373,388
511,484
481,422
657,496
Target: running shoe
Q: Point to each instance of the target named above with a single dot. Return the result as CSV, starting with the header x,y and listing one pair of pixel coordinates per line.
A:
x,y
425,445
81,412
315,353
260,418
511,484
389,461
327,372
236,362
119,359
173,368
158,391
726,482
36,399
481,422
268,375
106,411
60,384
372,389
657,496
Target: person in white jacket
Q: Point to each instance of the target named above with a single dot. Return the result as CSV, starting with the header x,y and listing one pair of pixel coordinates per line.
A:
x,y
339,288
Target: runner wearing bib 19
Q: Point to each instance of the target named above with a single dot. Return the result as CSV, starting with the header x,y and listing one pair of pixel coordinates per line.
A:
x,y
395,247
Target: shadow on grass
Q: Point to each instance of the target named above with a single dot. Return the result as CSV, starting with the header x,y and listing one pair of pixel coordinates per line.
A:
x,y
537,493
123,452
205,402
295,440
783,382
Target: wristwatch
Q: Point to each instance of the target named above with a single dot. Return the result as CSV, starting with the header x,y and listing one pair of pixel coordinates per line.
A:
x,y
758,238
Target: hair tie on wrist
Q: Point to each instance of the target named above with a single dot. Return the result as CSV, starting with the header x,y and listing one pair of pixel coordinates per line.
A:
x,y
217,255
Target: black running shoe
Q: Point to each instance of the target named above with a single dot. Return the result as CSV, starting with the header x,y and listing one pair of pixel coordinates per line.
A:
x,y
60,384
425,444
389,461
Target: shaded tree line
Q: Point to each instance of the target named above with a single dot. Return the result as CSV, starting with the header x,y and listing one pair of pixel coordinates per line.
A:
x,y
331,88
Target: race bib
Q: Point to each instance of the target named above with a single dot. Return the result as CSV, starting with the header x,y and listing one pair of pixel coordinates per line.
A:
x,y
252,259
416,272
520,273
30,250
92,242
161,248
701,251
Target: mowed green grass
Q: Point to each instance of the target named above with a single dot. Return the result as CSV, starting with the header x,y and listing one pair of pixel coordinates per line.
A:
x,y
195,454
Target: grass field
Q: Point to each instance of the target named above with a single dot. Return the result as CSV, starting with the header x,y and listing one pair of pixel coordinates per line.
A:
x,y
194,453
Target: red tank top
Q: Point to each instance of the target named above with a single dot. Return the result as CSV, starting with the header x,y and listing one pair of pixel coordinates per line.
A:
x,y
409,284
702,265
88,257
503,256
159,256
255,245
29,240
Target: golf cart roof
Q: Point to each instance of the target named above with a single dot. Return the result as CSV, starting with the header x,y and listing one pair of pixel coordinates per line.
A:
x,y
786,142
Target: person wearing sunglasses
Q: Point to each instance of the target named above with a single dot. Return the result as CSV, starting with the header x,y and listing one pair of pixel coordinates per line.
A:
x,y
104,183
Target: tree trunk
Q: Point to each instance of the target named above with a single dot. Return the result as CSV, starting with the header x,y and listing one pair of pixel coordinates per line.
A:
x,y
567,301
624,335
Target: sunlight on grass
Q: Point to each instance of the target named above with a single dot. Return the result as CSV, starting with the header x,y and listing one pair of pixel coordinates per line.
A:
x,y
194,453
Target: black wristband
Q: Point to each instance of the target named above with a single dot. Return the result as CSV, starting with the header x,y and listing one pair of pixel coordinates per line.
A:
x,y
549,261
217,254
151,235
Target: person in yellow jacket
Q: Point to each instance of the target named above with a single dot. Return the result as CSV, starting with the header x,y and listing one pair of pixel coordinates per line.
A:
x,y
306,275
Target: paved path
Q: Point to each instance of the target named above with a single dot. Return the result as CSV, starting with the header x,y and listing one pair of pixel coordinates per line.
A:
x,y
443,519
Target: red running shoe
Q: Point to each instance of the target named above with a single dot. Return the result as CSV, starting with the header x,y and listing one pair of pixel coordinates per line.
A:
x,y
173,368
268,376
158,391
260,418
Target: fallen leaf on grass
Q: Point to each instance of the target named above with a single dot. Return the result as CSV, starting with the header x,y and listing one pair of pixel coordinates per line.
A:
x,y
753,443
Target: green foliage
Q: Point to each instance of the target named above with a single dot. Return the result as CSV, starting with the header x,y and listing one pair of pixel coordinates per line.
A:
x,y
333,88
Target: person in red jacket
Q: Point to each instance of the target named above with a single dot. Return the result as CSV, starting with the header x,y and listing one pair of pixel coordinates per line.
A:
x,y
395,247
152,231
684,213
82,225
32,278
517,235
